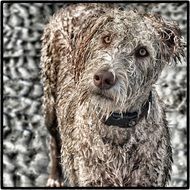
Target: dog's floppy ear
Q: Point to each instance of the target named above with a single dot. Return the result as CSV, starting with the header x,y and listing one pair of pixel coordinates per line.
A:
x,y
171,42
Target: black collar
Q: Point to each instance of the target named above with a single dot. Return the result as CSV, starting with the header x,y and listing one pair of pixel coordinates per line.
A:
x,y
128,119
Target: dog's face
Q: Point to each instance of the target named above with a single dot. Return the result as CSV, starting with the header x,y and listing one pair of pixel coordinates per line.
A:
x,y
124,57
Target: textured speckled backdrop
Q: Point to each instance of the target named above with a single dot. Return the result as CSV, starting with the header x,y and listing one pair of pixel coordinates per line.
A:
x,y
25,147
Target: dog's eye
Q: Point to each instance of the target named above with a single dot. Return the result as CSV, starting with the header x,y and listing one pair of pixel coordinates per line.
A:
x,y
141,52
107,39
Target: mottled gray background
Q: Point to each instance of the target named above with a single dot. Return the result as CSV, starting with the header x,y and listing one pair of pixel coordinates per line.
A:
x,y
25,147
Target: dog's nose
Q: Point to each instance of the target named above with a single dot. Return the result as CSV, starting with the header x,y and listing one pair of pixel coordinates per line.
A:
x,y
104,79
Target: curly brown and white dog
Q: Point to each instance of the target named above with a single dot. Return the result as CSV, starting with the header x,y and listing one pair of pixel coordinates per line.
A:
x,y
107,123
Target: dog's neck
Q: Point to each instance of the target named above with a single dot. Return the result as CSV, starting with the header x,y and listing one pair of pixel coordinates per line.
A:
x,y
128,119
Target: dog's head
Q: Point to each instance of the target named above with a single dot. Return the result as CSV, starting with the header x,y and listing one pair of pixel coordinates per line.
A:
x,y
120,56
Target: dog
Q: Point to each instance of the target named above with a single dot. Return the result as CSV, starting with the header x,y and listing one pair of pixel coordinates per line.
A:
x,y
107,124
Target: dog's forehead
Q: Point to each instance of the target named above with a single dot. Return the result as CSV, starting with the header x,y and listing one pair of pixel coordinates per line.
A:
x,y
132,27
132,22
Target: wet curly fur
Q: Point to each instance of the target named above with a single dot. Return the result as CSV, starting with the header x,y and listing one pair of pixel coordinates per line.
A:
x,y
78,41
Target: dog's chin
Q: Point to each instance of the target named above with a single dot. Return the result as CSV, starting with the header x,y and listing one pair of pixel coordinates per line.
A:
x,y
102,96
104,104
103,101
